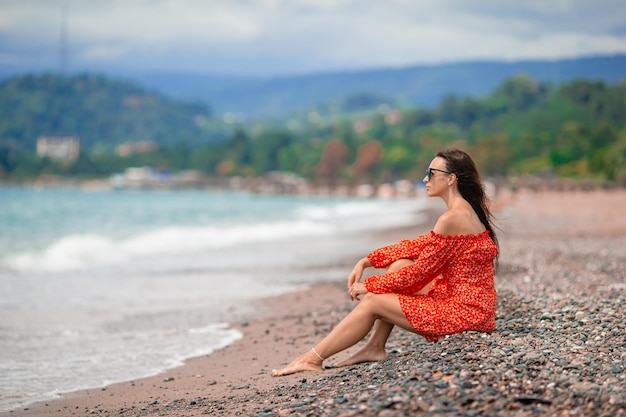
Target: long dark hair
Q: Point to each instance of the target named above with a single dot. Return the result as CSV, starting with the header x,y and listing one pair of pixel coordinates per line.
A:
x,y
470,186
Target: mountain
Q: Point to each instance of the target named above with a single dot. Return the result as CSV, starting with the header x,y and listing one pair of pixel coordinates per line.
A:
x,y
422,86
101,111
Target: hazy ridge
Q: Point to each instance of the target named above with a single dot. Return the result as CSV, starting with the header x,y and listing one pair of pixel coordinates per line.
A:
x,y
422,86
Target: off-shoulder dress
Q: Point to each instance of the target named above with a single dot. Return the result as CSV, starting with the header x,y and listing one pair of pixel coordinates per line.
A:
x,y
463,295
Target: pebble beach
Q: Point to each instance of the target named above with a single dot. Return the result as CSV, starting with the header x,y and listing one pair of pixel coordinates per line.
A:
x,y
559,348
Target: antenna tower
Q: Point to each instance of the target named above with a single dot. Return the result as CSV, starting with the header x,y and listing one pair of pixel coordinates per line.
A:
x,y
63,41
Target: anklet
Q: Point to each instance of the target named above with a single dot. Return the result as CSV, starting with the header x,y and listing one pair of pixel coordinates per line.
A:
x,y
317,354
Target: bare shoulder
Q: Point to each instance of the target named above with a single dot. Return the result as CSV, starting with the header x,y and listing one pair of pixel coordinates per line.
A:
x,y
457,222
447,224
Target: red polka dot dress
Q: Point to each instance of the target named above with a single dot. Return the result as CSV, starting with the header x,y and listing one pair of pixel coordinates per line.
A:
x,y
463,296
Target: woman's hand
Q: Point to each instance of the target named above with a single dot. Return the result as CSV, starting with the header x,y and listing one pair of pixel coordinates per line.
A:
x,y
357,271
355,277
356,290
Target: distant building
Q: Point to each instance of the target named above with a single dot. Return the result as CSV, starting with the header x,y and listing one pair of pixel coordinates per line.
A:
x,y
140,177
58,148
126,149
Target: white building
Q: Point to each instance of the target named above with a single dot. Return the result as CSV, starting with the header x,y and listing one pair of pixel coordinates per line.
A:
x,y
58,148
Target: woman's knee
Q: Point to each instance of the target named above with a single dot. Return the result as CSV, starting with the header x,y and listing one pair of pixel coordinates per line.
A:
x,y
399,264
383,306
368,302
374,303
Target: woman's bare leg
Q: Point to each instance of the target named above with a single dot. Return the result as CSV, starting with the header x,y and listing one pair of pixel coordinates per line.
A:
x,y
353,328
374,349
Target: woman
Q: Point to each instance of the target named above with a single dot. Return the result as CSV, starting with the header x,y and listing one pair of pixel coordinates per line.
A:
x,y
438,284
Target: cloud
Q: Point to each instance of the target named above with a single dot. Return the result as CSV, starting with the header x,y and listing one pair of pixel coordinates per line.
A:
x,y
294,36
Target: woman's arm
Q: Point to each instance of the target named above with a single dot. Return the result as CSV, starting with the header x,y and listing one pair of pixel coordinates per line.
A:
x,y
432,260
405,249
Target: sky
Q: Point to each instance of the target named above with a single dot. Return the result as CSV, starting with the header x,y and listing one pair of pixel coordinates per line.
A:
x,y
289,37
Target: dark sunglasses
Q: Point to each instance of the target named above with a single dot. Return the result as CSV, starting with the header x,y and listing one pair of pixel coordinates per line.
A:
x,y
429,172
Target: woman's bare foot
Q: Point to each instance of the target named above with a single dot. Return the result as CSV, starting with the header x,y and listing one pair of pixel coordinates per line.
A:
x,y
366,354
307,362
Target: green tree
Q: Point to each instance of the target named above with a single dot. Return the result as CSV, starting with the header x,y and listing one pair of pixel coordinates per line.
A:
x,y
493,154
520,92
571,144
268,147
615,161
398,160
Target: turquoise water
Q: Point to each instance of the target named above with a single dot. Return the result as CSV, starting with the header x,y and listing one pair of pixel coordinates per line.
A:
x,y
107,286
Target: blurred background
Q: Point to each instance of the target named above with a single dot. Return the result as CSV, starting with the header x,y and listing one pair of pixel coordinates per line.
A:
x,y
336,93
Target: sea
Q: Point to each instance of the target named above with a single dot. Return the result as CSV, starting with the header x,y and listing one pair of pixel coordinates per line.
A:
x,y
105,286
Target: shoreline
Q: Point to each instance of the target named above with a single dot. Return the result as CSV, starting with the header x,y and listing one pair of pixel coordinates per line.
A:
x,y
573,238
98,363
215,375
286,183
270,308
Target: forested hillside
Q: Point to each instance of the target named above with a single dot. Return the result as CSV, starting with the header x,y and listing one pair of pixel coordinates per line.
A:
x,y
101,111
523,127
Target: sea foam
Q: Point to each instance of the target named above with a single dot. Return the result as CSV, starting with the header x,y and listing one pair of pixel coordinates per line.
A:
x,y
76,252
